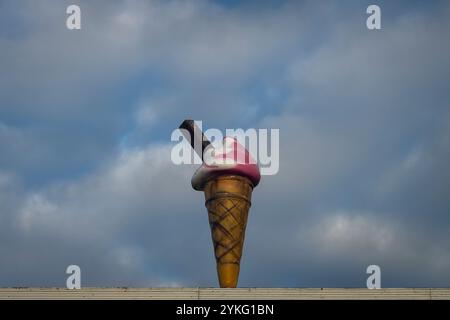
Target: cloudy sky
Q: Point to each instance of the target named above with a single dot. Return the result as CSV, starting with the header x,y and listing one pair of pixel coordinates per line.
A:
x,y
86,118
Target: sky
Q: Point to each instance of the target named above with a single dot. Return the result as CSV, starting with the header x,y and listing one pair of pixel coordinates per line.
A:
x,y
86,118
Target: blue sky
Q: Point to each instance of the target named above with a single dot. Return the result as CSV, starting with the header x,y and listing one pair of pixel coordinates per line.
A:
x,y
86,118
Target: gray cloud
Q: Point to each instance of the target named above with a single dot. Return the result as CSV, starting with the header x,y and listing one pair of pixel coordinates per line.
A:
x,y
85,172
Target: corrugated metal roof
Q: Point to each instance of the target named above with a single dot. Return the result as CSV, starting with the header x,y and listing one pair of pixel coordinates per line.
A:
x,y
217,293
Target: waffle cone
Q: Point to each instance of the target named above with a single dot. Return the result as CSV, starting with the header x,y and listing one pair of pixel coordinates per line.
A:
x,y
228,200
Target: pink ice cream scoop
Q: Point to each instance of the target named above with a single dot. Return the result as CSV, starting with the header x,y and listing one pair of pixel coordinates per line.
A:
x,y
230,158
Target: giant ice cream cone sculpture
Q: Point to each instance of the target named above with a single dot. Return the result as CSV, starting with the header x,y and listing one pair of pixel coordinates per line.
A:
x,y
227,184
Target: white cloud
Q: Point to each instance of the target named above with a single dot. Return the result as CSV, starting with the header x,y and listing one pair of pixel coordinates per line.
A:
x,y
145,116
129,258
344,232
38,210
116,212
